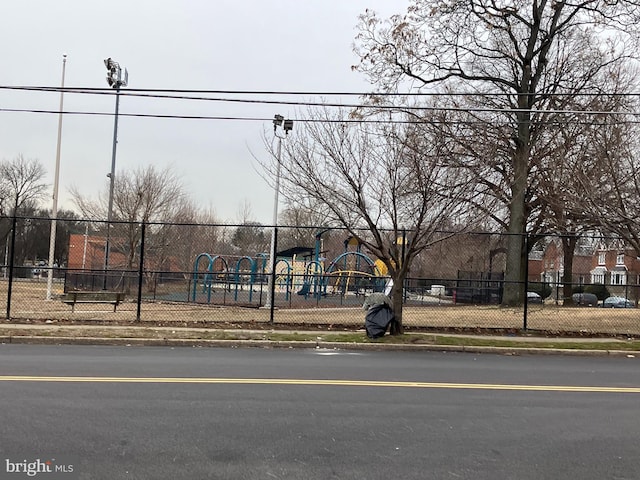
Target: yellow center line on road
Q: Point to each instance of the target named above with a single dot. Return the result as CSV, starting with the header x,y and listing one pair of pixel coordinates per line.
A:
x,y
320,382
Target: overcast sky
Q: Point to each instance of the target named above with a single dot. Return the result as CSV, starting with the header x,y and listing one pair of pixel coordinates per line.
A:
x,y
253,45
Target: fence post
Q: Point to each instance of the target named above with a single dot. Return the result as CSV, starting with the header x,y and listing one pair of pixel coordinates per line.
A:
x,y
141,270
11,263
526,281
273,275
404,281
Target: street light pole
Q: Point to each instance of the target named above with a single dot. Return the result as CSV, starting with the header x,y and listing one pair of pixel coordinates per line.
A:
x,y
115,80
56,181
287,126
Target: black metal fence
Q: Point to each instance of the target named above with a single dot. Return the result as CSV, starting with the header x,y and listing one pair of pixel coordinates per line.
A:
x,y
221,274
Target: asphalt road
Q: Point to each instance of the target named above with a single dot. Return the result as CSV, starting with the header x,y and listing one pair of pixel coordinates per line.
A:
x,y
183,413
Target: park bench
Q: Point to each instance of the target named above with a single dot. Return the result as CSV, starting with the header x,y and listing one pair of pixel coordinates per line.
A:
x,y
80,296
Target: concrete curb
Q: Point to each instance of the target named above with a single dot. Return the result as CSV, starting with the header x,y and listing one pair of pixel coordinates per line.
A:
x,y
168,342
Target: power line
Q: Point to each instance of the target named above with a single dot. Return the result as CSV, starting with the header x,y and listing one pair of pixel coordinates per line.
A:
x,y
389,108
98,90
161,94
231,92
137,94
323,120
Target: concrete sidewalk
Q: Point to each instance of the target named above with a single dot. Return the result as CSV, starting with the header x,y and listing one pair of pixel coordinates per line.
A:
x,y
50,333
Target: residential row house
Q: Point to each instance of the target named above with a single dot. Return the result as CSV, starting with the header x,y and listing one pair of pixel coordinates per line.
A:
x,y
612,263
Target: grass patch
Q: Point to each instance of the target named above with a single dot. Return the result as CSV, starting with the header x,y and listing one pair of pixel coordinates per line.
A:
x,y
558,344
429,339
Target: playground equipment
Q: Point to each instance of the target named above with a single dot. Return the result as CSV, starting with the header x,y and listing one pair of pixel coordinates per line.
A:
x,y
312,280
284,277
208,275
344,276
243,276
246,272
352,271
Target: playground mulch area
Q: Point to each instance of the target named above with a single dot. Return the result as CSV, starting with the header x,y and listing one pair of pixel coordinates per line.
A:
x,y
29,304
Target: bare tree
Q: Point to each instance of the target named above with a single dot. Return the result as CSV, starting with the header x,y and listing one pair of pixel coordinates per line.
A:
x,y
611,174
145,195
21,187
197,231
301,221
244,214
555,186
573,153
250,239
380,183
511,59
21,182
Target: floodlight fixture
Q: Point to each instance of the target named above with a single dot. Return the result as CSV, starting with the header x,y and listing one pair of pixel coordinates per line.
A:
x,y
114,74
277,121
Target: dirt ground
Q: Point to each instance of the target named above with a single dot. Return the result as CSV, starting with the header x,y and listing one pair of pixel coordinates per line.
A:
x,y
28,304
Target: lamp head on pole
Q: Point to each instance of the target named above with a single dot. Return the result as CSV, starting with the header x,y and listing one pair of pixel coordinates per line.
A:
x,y
114,74
279,121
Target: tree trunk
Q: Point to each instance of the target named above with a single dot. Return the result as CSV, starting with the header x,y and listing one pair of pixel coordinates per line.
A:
x,y
514,280
568,249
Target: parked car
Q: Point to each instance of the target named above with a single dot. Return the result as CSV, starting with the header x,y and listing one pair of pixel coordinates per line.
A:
x,y
585,299
533,297
618,302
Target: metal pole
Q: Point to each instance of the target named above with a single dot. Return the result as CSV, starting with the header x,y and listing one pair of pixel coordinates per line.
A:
x,y
525,324
272,251
6,257
11,263
404,243
141,270
112,176
272,283
56,181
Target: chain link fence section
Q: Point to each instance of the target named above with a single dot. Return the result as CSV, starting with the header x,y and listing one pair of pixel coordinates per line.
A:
x,y
223,275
